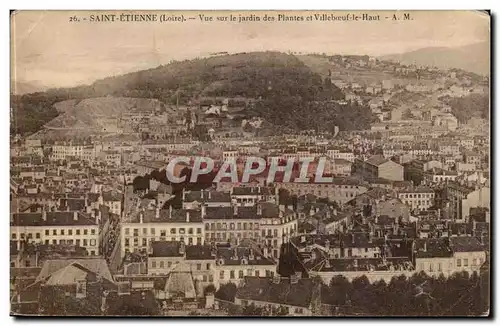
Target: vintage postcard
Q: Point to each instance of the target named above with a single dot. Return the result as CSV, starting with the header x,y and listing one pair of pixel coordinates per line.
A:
x,y
250,163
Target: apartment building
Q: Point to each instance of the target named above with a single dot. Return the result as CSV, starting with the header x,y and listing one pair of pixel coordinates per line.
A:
x,y
72,228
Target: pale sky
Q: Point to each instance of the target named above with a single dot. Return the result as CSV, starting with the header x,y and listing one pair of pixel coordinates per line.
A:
x,y
50,50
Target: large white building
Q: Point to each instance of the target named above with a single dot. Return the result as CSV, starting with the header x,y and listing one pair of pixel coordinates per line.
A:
x,y
142,228
72,228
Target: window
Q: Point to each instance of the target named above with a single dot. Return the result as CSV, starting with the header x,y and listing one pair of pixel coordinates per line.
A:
x,y
439,267
231,274
162,264
257,272
466,262
46,232
459,263
474,261
153,264
54,232
127,242
144,241
204,278
221,275
198,241
85,232
169,264
78,242
62,231
78,231
92,242
172,231
70,232
240,274
210,278
198,230
92,252
152,231
54,241
208,266
190,231
198,267
14,236
145,231
366,249
431,267
85,242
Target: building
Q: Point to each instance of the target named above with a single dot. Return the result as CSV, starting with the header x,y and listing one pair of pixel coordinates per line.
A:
x,y
141,228
78,228
297,297
468,253
420,198
265,223
463,197
434,256
379,167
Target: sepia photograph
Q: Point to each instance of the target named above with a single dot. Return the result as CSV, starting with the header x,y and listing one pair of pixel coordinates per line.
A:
x,y
250,163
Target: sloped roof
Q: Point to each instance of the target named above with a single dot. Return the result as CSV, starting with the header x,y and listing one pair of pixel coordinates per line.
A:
x,y
95,265
466,244
265,290
181,283
377,160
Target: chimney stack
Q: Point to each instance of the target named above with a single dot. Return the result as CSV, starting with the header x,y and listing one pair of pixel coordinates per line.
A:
x,y
141,217
157,213
75,215
235,210
203,211
425,246
170,211
187,216
44,215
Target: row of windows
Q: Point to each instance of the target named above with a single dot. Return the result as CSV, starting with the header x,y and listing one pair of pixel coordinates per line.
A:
x,y
37,235
465,262
298,185
163,233
232,226
420,202
232,274
78,242
417,196
145,241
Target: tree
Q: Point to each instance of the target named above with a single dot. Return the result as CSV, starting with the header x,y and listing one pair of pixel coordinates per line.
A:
x,y
226,292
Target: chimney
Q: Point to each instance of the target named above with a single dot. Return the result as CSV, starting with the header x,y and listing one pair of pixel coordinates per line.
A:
x,y
157,212
187,216
75,216
235,210
259,209
334,212
170,211
282,208
44,215
141,217
425,246
201,193
182,248
209,195
203,211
